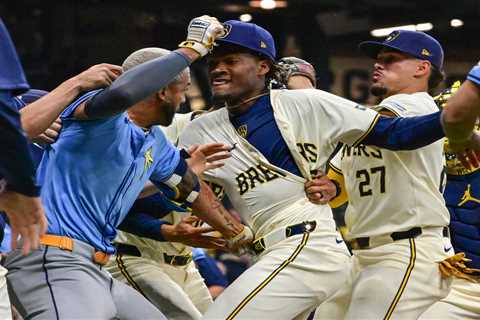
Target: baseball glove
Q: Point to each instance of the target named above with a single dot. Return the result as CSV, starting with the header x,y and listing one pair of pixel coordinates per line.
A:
x,y
455,266
442,98
290,66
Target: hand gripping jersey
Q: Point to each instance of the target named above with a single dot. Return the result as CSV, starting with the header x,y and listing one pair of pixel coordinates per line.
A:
x,y
406,185
311,122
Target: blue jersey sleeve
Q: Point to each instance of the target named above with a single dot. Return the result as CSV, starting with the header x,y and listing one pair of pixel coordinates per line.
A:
x,y
68,112
208,268
474,75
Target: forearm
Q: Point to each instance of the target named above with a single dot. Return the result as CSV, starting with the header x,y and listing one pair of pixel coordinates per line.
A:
x,y
462,110
405,133
39,115
139,83
208,208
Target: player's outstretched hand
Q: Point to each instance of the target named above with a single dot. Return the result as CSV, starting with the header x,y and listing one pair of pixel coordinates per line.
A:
x,y
320,190
26,217
202,33
99,76
468,152
50,135
207,157
187,233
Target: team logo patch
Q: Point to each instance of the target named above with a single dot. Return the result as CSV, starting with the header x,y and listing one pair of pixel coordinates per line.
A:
x,y
392,36
148,160
226,30
263,44
242,131
425,52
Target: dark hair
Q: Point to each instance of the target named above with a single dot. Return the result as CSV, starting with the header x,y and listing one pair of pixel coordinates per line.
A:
x,y
436,77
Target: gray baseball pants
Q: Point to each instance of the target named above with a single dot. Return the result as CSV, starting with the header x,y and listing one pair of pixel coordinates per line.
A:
x,y
51,283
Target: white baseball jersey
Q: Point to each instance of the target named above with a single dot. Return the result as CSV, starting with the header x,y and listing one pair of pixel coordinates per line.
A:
x,y
394,191
311,122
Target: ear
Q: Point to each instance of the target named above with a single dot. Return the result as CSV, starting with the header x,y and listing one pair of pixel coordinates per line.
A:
x,y
162,94
264,67
423,68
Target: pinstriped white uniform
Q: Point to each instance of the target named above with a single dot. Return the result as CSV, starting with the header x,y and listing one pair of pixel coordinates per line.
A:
x,y
301,271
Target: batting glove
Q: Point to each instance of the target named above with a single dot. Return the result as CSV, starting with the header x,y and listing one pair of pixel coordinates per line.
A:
x,y
201,34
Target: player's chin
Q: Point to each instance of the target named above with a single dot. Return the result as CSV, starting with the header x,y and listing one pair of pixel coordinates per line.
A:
x,y
378,90
220,96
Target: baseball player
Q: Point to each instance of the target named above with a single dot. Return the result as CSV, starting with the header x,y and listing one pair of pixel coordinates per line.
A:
x,y
162,271
463,201
91,176
396,213
18,191
279,137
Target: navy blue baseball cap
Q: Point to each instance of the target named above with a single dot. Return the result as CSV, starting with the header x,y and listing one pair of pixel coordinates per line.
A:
x,y
249,35
415,43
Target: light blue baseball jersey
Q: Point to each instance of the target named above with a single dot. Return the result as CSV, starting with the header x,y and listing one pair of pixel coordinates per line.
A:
x,y
93,173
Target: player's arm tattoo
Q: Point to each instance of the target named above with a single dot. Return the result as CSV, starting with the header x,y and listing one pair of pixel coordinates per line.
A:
x,y
208,208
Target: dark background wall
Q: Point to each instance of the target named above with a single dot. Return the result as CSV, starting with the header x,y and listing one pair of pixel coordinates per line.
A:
x,y
58,39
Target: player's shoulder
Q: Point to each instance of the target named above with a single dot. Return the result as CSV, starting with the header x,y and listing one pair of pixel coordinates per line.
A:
x,y
207,119
298,94
404,104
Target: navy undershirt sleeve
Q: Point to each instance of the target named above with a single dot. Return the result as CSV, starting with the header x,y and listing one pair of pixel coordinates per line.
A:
x,y
136,84
143,225
405,133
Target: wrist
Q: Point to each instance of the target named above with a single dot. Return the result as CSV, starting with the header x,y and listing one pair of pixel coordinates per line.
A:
x,y
75,85
168,232
190,53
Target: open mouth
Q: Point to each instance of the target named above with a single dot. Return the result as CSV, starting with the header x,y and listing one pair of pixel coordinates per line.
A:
x,y
219,82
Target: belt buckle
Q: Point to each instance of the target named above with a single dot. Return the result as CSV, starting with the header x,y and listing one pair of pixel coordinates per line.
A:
x,y
172,260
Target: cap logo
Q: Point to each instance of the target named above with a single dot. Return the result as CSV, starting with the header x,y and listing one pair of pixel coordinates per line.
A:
x,y
227,27
425,52
392,36
262,44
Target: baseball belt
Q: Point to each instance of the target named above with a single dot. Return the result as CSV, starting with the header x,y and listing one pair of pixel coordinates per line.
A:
x,y
261,244
364,242
66,243
174,260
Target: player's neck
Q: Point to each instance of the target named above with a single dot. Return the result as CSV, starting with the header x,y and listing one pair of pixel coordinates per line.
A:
x,y
245,103
140,115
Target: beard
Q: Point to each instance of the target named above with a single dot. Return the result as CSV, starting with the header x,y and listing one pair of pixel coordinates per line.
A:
x,y
378,91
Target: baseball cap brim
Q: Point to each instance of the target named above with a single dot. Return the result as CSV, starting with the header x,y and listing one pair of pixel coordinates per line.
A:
x,y
372,48
243,45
